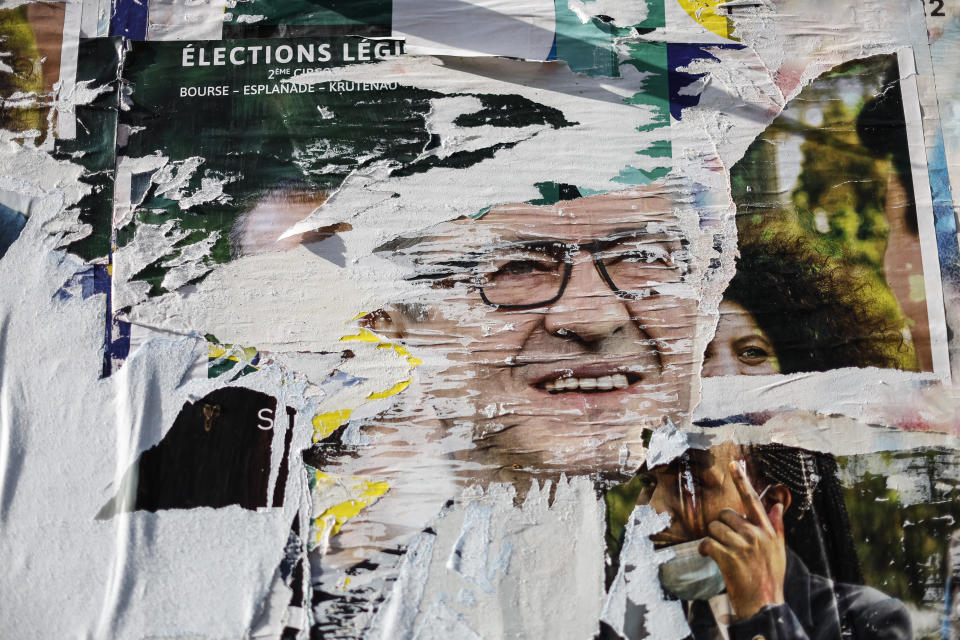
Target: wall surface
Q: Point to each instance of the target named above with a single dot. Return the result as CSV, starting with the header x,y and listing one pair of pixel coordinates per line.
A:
x,y
480,319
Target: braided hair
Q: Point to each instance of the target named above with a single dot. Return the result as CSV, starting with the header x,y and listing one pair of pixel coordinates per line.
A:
x,y
817,526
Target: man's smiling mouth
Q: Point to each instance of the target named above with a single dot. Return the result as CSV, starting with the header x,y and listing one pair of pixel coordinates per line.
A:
x,y
583,384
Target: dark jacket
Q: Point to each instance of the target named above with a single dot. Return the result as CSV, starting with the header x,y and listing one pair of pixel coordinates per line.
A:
x,y
816,609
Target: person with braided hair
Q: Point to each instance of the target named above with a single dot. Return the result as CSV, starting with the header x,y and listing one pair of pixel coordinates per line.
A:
x,y
778,563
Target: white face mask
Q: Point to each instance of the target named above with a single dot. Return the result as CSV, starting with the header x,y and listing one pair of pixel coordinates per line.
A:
x,y
690,576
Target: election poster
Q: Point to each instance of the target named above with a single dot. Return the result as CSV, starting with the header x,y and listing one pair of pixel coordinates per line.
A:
x,y
479,320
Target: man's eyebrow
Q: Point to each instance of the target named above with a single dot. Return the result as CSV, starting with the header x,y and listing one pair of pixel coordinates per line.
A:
x,y
521,243
673,467
615,235
700,459
644,236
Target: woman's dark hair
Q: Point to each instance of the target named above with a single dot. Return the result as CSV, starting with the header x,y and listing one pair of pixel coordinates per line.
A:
x,y
813,308
817,525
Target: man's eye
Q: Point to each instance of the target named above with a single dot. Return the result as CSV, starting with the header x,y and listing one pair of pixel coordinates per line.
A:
x,y
753,355
647,485
523,267
642,257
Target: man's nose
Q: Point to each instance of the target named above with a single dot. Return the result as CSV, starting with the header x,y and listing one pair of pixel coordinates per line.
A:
x,y
588,308
660,500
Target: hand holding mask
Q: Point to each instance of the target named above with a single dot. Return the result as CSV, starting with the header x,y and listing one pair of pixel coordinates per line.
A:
x,y
749,549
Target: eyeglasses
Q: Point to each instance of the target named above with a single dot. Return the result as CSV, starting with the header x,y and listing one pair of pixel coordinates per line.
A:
x,y
525,275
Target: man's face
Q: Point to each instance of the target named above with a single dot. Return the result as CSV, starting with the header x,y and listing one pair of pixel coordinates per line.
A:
x,y
571,333
692,490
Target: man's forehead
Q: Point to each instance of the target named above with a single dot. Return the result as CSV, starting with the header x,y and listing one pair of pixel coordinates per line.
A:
x,y
701,459
592,217
647,212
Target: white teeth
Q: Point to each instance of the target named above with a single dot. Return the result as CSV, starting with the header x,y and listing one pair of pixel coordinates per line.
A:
x,y
603,383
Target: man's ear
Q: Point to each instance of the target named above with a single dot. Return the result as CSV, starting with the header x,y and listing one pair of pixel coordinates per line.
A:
x,y
385,322
777,493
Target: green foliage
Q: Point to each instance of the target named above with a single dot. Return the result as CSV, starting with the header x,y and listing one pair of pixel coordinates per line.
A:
x,y
620,500
902,547
847,184
837,204
21,55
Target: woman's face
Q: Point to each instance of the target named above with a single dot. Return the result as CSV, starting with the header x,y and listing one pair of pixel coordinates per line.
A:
x,y
739,347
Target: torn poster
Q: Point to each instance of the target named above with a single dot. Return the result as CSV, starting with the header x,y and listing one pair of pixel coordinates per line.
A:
x,y
385,319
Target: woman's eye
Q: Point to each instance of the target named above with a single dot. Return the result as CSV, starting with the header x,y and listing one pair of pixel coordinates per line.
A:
x,y
753,355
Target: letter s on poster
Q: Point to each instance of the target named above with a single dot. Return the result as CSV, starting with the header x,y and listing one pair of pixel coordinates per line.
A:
x,y
266,415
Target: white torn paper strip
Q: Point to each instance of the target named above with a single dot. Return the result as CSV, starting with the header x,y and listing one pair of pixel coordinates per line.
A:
x,y
635,606
485,551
